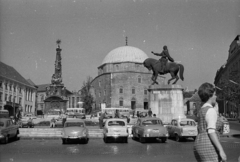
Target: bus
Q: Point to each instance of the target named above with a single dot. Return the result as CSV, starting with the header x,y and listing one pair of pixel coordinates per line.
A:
x,y
53,113
124,112
76,113
4,114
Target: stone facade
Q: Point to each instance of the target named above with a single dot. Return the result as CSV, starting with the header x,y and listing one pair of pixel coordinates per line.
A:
x,y
123,81
16,93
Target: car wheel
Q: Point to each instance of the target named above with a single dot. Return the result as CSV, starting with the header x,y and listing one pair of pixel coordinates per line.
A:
x,y
194,138
85,141
16,136
6,140
64,141
177,138
142,139
125,139
164,139
105,139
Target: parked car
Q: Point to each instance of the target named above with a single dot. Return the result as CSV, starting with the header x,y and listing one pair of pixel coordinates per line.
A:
x,y
30,116
115,128
8,130
26,122
182,128
149,128
75,129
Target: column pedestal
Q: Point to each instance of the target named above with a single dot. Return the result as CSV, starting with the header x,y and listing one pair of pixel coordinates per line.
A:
x,y
166,101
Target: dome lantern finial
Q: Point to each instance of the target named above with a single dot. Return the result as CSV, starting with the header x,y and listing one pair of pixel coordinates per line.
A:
x,y
126,41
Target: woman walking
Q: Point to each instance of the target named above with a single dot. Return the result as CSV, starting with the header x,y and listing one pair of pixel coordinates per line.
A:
x,y
207,147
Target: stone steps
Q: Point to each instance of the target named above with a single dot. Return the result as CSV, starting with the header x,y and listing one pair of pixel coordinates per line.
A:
x,y
52,132
55,132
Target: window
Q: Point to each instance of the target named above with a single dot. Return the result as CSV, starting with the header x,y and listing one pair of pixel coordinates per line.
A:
x,y
133,90
1,84
1,96
14,99
139,79
99,94
121,102
105,92
42,98
20,90
145,91
10,98
20,100
6,97
120,90
73,101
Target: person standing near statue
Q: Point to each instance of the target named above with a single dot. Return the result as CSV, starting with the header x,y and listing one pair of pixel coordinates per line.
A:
x,y
165,57
207,146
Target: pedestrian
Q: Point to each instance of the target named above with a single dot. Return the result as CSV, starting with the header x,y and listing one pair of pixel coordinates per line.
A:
x,y
53,123
64,118
117,114
150,112
207,146
138,115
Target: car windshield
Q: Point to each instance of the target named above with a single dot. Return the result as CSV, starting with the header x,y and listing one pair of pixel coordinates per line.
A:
x,y
152,122
1,124
74,124
187,123
116,123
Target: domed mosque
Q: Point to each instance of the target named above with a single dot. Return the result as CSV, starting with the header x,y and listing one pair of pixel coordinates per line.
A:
x,y
122,80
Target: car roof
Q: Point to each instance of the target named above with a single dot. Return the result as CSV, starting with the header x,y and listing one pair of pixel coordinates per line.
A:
x,y
4,119
149,118
183,119
74,120
113,119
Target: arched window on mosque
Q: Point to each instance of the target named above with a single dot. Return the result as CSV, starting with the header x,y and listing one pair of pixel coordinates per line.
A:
x,y
145,104
133,90
121,101
133,103
121,90
145,91
139,79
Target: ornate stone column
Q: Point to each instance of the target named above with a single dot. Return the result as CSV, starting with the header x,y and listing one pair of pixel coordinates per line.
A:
x,y
166,101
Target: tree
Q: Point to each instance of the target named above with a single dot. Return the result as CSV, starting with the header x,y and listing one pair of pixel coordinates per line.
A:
x,y
86,96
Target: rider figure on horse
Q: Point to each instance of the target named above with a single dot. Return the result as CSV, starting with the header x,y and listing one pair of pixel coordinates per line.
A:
x,y
165,57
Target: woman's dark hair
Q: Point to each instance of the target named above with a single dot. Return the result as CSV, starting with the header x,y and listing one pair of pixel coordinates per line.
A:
x,y
206,91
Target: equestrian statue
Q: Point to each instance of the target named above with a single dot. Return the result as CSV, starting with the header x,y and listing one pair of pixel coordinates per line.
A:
x,y
163,66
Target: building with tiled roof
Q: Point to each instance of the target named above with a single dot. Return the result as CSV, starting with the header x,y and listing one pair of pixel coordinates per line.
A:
x,y
16,93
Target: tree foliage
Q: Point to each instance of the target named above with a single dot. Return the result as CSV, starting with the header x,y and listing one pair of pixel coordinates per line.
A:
x,y
86,95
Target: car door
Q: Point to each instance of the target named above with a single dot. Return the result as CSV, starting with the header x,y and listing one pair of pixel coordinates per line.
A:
x,y
170,128
135,128
11,127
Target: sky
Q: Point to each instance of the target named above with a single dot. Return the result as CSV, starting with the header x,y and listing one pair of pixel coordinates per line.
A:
x,y
198,34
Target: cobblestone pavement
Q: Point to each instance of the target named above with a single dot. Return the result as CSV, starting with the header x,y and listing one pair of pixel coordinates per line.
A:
x,y
96,150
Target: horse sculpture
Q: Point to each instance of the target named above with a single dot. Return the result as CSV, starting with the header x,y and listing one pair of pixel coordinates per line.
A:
x,y
171,67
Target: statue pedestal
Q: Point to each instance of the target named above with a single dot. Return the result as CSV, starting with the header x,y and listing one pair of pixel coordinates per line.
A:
x,y
166,101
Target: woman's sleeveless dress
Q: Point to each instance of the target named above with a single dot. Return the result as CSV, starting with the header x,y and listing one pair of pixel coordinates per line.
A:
x,y
204,150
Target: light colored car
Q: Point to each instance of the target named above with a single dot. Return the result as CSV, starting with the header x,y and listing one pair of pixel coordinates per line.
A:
x,y
75,129
8,130
149,128
115,128
30,116
26,122
182,128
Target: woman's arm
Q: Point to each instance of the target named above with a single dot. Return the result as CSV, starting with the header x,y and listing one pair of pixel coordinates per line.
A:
x,y
213,137
211,119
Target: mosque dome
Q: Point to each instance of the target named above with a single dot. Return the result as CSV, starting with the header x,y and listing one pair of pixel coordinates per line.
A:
x,y
125,54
